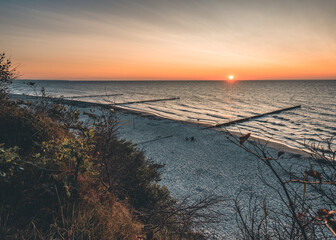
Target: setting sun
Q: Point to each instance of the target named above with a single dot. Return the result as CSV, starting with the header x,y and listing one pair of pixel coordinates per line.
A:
x,y
231,77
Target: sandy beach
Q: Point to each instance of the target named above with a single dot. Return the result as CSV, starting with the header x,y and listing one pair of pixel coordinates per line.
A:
x,y
209,164
194,166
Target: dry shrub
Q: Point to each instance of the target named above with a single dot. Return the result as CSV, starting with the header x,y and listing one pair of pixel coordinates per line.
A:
x,y
24,128
98,215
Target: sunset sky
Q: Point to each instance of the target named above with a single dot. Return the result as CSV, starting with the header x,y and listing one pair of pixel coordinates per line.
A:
x,y
171,39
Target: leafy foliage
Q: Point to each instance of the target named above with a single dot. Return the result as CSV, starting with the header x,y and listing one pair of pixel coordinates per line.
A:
x,y
7,73
24,128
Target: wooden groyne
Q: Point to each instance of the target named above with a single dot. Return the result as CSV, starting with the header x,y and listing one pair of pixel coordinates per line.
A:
x,y
101,95
79,103
76,103
151,100
253,117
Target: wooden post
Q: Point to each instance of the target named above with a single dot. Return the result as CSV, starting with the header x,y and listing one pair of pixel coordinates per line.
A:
x,y
103,95
151,100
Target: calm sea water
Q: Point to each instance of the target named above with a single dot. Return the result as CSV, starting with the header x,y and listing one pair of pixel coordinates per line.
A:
x,y
219,102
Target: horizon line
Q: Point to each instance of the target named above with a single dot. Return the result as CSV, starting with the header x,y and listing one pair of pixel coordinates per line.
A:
x,y
173,80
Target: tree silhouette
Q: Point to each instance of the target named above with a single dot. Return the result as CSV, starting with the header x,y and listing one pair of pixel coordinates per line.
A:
x,y
7,73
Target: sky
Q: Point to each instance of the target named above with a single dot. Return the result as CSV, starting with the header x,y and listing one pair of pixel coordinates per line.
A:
x,y
171,39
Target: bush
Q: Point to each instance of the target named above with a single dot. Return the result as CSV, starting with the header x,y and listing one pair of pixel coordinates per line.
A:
x,y
51,187
7,74
24,128
306,190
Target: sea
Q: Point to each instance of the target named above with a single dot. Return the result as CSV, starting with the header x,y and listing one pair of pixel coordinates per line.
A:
x,y
217,102
209,168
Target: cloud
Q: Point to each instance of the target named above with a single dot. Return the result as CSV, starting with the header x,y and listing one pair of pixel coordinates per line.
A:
x,y
186,32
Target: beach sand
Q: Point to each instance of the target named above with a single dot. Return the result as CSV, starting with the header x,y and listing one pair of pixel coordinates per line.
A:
x,y
210,158
209,164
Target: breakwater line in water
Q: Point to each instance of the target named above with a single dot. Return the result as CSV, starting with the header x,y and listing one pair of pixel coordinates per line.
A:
x,y
253,117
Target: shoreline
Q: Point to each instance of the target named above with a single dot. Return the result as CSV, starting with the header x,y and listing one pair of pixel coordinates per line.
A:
x,y
269,143
84,104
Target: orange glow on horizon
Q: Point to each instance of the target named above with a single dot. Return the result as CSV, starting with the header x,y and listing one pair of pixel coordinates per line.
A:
x,y
113,70
139,65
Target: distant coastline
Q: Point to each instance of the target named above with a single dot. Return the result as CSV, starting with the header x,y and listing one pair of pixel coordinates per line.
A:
x,y
168,80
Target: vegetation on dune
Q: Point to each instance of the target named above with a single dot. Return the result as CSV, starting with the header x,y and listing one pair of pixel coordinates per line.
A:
x,y
61,178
